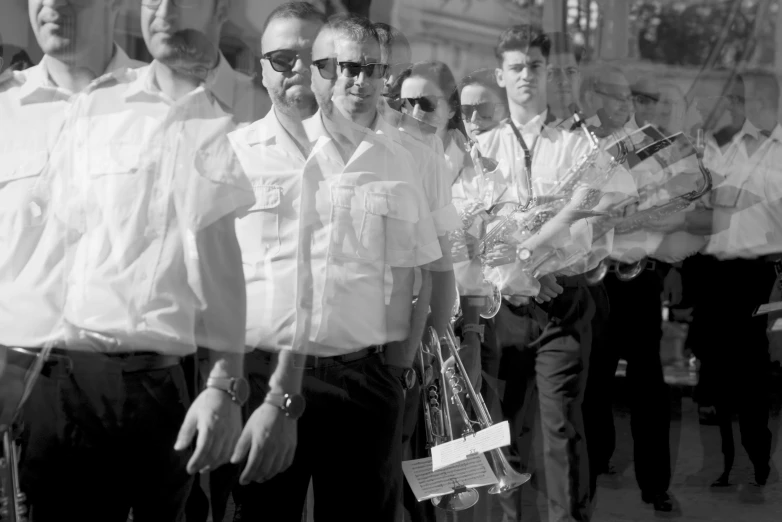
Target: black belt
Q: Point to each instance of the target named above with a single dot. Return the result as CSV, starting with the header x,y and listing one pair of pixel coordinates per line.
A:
x,y
129,362
310,362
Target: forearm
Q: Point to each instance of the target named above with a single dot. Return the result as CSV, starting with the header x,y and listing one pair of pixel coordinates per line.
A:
x,y
225,364
417,324
443,297
287,375
700,222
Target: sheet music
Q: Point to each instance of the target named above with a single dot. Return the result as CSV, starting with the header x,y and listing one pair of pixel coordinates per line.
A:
x,y
425,483
768,308
459,449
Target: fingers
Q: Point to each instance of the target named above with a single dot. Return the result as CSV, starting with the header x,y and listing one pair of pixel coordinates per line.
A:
x,y
186,432
250,472
202,459
242,447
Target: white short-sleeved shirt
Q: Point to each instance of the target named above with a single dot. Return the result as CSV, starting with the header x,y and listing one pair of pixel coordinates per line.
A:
x,y
33,110
317,243
143,178
748,200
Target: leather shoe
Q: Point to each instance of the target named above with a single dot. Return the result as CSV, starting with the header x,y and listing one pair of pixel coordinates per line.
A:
x,y
660,501
761,475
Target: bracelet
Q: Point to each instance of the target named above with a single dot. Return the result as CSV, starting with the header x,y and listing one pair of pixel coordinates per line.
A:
x,y
475,328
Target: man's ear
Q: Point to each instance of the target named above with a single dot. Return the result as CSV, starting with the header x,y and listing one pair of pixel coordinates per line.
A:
x,y
500,75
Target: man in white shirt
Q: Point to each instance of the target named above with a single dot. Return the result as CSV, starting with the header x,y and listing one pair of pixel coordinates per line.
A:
x,y
145,178
79,54
606,97
532,157
747,224
337,205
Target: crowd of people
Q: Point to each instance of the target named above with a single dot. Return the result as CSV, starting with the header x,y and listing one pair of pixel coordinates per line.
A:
x,y
218,279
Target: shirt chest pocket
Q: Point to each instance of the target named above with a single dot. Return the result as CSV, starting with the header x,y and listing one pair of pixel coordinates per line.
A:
x,y
116,180
371,222
259,231
20,172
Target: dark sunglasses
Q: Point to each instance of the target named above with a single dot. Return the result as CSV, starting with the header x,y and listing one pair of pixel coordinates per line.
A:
x,y
327,67
485,110
284,60
426,104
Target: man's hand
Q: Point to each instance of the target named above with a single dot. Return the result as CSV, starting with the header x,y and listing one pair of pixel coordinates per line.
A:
x,y
270,439
549,289
501,254
672,287
218,421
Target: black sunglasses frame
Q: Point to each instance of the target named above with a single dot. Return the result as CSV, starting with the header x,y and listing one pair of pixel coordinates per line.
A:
x,y
426,104
370,70
481,108
304,56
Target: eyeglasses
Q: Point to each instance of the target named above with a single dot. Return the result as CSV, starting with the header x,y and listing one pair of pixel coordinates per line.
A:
x,y
644,101
616,97
485,110
327,67
177,3
284,60
426,104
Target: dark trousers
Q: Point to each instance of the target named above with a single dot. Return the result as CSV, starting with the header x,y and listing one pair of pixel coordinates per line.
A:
x,y
549,374
98,442
633,333
735,363
349,444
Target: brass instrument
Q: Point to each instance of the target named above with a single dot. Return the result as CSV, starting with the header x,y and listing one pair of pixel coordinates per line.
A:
x,y
455,374
435,396
639,220
16,384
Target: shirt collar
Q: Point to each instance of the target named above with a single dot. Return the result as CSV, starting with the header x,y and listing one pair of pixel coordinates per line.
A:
x,y
535,126
38,81
269,129
748,129
776,134
221,81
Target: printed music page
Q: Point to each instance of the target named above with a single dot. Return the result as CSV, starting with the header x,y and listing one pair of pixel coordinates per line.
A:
x,y
459,449
470,473
768,308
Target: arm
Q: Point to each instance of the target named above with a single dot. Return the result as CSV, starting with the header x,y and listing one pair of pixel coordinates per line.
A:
x,y
214,264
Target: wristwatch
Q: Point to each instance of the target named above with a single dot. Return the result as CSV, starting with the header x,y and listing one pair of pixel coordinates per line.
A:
x,y
236,387
405,375
291,404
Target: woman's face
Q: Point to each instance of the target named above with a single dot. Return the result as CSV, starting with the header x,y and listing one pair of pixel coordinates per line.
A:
x,y
671,109
482,109
423,100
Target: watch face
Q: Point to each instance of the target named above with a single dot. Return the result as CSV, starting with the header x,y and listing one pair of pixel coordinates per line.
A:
x,y
294,406
241,390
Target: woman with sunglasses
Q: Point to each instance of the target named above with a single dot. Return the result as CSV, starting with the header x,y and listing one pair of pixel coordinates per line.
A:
x,y
483,102
429,94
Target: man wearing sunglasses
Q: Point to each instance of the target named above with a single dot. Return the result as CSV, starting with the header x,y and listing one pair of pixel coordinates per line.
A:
x,y
605,93
337,213
145,180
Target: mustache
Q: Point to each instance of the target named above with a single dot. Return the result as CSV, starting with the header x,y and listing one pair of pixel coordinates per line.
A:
x,y
192,44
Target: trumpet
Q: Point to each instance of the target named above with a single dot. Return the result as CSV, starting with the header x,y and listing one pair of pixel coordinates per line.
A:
x,y
455,374
16,384
435,397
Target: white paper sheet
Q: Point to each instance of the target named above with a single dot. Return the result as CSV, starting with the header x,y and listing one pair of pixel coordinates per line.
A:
x,y
776,326
425,483
459,449
768,308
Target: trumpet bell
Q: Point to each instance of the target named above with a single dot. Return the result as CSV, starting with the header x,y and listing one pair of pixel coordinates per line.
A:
x,y
457,501
629,271
508,477
597,274
494,301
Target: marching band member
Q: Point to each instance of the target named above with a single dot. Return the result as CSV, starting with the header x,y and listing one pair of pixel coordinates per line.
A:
x,y
527,149
483,102
79,54
145,179
336,207
746,225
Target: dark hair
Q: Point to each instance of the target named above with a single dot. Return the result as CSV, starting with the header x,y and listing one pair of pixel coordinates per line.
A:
x,y
440,75
390,36
522,38
354,27
765,83
297,11
485,78
20,61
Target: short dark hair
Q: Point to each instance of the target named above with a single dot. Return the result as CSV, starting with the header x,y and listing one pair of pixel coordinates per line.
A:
x,y
297,11
522,38
390,36
355,28
439,74
484,78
